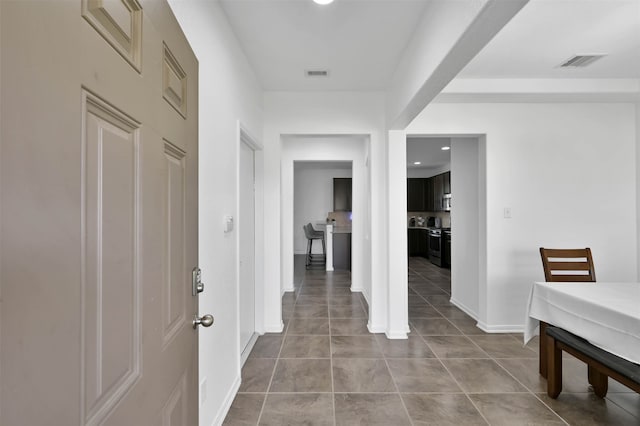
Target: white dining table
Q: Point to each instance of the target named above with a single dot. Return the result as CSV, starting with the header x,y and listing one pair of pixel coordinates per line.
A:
x,y
606,314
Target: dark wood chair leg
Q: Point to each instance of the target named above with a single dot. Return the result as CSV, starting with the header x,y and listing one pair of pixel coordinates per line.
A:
x,y
542,352
599,381
554,365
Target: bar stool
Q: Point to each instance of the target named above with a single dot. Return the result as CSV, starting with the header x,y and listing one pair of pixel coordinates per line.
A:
x,y
312,234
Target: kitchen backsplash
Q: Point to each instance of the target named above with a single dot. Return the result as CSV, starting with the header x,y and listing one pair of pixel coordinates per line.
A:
x,y
445,217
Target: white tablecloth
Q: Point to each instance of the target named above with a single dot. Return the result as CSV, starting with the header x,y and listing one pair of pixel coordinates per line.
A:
x,y
606,314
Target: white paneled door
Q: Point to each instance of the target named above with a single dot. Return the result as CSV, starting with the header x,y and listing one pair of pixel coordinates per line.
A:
x,y
99,235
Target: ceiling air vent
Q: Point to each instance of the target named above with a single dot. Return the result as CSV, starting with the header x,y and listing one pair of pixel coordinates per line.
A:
x,y
317,73
580,61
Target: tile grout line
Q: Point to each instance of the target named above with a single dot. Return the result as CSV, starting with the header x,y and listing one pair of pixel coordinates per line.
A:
x,y
333,390
395,384
273,373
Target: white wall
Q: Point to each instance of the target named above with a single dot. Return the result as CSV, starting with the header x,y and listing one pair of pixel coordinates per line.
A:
x,y
229,92
312,200
329,113
568,173
466,186
638,179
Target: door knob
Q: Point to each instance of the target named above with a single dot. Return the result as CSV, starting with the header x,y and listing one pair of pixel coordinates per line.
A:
x,y
205,321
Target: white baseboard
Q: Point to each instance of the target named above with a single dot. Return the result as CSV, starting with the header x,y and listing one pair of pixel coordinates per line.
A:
x,y
500,328
248,348
357,290
274,328
375,328
226,404
287,290
484,326
397,335
464,308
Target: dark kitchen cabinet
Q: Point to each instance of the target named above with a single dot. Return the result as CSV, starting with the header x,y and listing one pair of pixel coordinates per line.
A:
x,y
447,183
446,249
438,192
418,242
342,194
412,240
426,194
415,195
342,252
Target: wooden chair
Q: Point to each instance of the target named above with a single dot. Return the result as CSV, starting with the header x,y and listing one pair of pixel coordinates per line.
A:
x,y
564,265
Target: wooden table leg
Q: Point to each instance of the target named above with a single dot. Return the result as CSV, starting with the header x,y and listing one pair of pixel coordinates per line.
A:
x,y
554,376
542,352
599,381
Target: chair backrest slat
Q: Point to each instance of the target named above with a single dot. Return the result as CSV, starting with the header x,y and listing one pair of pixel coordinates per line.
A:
x,y
559,263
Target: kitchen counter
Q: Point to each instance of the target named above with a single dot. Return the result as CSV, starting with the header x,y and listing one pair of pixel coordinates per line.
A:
x,y
342,230
338,244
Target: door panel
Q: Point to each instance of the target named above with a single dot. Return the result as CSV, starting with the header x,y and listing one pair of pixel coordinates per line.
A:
x,y
98,219
174,308
110,343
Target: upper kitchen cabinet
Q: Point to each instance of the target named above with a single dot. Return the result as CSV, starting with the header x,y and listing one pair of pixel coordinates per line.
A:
x,y
438,192
427,194
341,194
447,183
415,195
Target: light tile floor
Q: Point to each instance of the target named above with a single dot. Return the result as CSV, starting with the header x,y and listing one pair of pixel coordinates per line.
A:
x,y
327,369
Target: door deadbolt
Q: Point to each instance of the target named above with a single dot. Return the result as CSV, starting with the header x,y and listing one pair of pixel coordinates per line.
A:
x,y
205,321
197,286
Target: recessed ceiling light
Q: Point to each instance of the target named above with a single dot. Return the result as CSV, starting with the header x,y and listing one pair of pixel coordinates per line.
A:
x,y
445,148
323,1
417,163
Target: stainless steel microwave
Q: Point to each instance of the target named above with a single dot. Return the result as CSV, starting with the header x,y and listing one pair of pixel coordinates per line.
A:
x,y
446,202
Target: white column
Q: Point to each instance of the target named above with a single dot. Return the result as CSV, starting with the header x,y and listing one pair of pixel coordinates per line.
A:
x,y
398,322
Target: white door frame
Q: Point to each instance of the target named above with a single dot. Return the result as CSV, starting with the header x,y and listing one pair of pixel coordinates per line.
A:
x,y
245,136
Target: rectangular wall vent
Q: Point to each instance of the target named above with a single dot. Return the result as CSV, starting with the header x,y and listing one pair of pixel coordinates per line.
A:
x,y
317,73
580,61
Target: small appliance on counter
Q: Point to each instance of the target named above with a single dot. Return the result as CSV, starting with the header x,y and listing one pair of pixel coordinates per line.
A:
x,y
412,222
420,221
437,222
431,222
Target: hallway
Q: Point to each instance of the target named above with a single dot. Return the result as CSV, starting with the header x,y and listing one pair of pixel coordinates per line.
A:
x,y
326,369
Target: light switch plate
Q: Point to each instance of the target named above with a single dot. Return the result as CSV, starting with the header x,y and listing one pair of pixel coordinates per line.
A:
x,y
228,224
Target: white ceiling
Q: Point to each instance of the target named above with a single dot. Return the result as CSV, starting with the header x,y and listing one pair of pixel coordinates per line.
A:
x,y
358,41
428,151
547,32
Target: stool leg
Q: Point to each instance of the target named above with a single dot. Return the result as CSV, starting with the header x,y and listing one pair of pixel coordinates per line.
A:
x,y
308,261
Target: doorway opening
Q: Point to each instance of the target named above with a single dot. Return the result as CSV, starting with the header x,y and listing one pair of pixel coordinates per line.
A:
x,y
449,221
248,241
323,205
